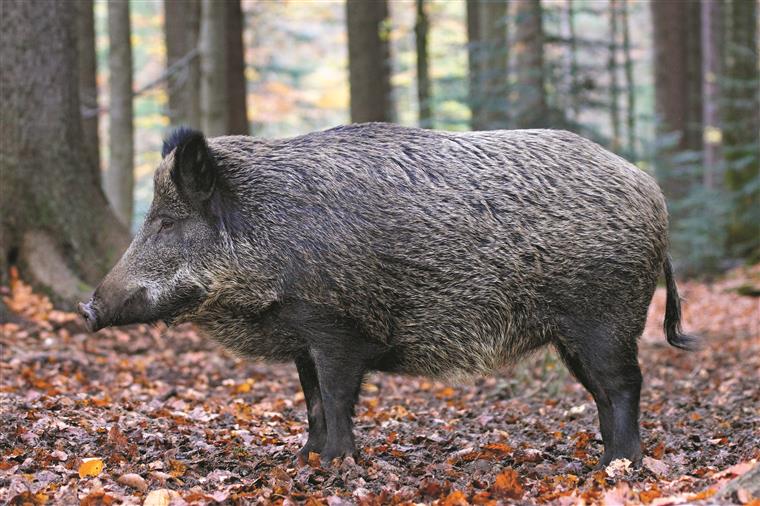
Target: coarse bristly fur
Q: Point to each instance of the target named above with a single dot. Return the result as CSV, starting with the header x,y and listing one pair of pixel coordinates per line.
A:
x,y
408,250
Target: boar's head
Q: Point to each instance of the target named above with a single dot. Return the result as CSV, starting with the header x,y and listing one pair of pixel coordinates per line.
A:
x,y
161,275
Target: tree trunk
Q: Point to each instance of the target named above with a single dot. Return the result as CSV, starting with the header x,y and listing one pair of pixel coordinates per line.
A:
x,y
694,74
423,76
474,54
530,93
489,60
213,45
118,180
369,61
88,88
630,85
572,68
612,71
675,103
182,29
55,223
711,50
237,112
741,144
493,22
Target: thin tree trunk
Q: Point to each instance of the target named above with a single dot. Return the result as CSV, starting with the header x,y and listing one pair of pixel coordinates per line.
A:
x,y
493,23
474,65
423,76
488,64
55,223
673,66
118,180
369,61
711,49
214,89
182,30
694,75
88,88
237,112
630,85
572,71
530,92
612,71
674,61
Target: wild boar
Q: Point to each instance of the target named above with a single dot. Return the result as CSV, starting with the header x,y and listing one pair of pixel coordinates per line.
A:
x,y
378,247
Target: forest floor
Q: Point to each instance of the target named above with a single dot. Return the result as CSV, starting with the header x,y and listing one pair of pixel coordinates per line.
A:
x,y
146,415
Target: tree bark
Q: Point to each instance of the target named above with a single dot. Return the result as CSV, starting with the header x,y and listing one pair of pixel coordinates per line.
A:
x,y
573,87
530,93
494,23
612,70
675,61
694,74
118,179
88,88
711,50
741,144
237,112
474,52
55,223
213,45
182,29
630,84
421,27
489,60
369,62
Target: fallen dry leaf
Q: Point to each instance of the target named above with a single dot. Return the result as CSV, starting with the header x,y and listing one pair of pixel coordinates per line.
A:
x,y
735,470
658,467
89,467
617,467
133,480
507,484
161,497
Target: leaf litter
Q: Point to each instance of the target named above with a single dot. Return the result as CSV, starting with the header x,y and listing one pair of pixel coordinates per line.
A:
x,y
156,416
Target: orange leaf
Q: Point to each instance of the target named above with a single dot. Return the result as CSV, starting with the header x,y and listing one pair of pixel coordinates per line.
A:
x,y
499,448
507,484
456,498
177,468
90,467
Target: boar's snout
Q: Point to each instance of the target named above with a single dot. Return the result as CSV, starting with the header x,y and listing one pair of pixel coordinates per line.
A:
x,y
90,316
112,307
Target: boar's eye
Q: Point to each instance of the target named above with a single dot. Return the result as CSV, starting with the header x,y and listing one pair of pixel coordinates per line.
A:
x,y
165,224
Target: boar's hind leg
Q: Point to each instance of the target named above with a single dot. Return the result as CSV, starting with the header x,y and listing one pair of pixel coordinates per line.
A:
x,y
307,373
607,366
603,405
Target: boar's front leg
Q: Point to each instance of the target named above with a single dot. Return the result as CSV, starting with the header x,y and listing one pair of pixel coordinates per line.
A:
x,y
307,373
335,356
340,378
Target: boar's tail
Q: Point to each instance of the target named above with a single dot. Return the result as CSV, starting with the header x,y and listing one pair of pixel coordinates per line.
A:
x,y
672,324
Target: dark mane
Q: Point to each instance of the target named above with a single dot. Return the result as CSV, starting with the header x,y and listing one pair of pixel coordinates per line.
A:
x,y
177,137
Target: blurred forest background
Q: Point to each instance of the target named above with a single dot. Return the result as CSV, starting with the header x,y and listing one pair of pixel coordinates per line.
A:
x,y
89,89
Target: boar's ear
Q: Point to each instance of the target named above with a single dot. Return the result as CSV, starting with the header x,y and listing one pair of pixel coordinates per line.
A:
x,y
194,171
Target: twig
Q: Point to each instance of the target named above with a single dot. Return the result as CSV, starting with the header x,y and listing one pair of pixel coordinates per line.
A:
x,y
180,64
